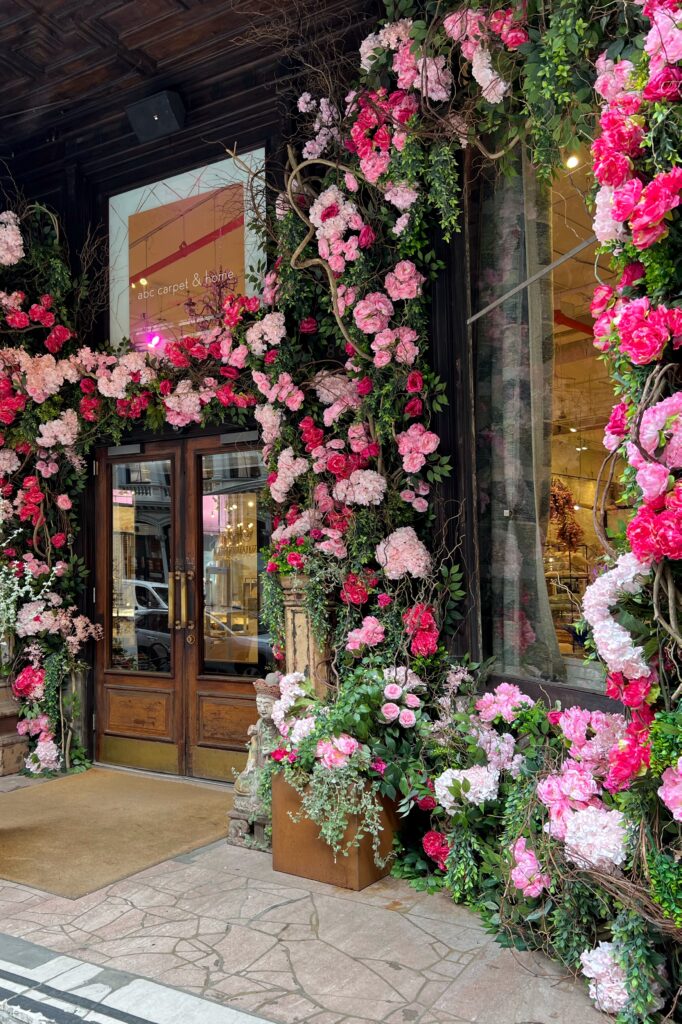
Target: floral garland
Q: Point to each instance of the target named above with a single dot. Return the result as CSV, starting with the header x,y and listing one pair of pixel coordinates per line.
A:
x,y
518,806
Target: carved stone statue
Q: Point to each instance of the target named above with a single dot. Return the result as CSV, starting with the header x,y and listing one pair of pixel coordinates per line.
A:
x,y
249,818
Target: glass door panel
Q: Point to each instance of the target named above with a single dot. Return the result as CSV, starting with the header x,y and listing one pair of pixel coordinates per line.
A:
x,y
233,529
140,559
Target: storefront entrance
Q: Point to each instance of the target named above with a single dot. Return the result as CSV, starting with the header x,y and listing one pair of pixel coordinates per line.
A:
x,y
179,528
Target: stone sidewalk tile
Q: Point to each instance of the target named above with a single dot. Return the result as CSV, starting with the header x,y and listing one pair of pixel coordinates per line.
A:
x,y
37,986
220,924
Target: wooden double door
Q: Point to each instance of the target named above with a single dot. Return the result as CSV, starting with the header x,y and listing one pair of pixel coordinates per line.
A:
x,y
179,529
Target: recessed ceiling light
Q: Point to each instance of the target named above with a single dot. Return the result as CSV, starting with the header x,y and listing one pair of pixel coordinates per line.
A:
x,y
574,430
572,161
143,281
576,508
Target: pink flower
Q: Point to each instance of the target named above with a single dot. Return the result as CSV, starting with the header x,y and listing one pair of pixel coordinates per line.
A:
x,y
370,634
404,281
671,790
526,874
390,711
64,502
378,766
330,755
346,744
383,600
412,700
372,314
653,478
407,718
393,691
505,701
437,848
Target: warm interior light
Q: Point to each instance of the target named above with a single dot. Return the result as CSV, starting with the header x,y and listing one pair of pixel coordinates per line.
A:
x,y
154,341
576,508
572,161
574,430
144,281
133,285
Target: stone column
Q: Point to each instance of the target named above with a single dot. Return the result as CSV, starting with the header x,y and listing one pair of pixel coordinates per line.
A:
x,y
302,652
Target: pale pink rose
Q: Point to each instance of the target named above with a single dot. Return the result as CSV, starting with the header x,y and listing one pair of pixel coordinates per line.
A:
x,y
407,718
412,700
390,711
346,744
64,502
404,281
393,691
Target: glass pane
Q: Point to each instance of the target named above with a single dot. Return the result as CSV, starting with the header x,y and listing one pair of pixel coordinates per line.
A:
x,y
140,560
543,398
235,528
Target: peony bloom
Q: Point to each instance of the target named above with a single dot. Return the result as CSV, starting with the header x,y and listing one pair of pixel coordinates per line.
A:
x,y
436,847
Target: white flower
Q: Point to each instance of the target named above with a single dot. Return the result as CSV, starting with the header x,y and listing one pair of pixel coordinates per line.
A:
x,y
607,988
596,838
483,784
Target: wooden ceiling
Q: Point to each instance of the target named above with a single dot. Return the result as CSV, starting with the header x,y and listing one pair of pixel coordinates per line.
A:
x,y
70,67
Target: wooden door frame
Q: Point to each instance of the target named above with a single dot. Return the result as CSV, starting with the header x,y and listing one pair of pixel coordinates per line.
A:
x,y
225,701
164,686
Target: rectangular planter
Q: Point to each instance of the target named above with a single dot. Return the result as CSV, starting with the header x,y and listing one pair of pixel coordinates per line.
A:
x,y
298,850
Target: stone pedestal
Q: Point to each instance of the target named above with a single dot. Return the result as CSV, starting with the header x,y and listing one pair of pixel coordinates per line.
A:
x,y
13,748
302,653
249,819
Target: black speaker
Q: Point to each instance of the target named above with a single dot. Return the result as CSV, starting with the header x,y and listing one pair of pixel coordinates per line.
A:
x,y
156,116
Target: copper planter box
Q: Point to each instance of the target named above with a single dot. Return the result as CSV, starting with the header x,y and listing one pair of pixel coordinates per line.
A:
x,y
298,850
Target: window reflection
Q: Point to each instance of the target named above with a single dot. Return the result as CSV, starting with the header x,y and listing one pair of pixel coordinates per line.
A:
x,y
543,398
140,559
235,527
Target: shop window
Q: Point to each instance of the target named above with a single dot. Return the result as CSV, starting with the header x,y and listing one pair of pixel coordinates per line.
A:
x,y
542,400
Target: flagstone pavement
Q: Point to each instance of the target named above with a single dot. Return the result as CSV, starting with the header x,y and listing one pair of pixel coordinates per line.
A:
x,y
220,924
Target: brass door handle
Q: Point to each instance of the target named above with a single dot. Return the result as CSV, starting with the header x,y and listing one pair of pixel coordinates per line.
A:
x,y
183,600
189,623
171,599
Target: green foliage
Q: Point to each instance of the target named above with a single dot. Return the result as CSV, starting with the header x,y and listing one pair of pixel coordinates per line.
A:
x,y
665,878
666,740
462,874
636,952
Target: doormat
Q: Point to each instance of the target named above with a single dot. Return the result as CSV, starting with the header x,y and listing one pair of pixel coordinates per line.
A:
x,y
74,835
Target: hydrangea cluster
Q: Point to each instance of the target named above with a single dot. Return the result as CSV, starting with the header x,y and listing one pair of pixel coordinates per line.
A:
x,y
474,785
